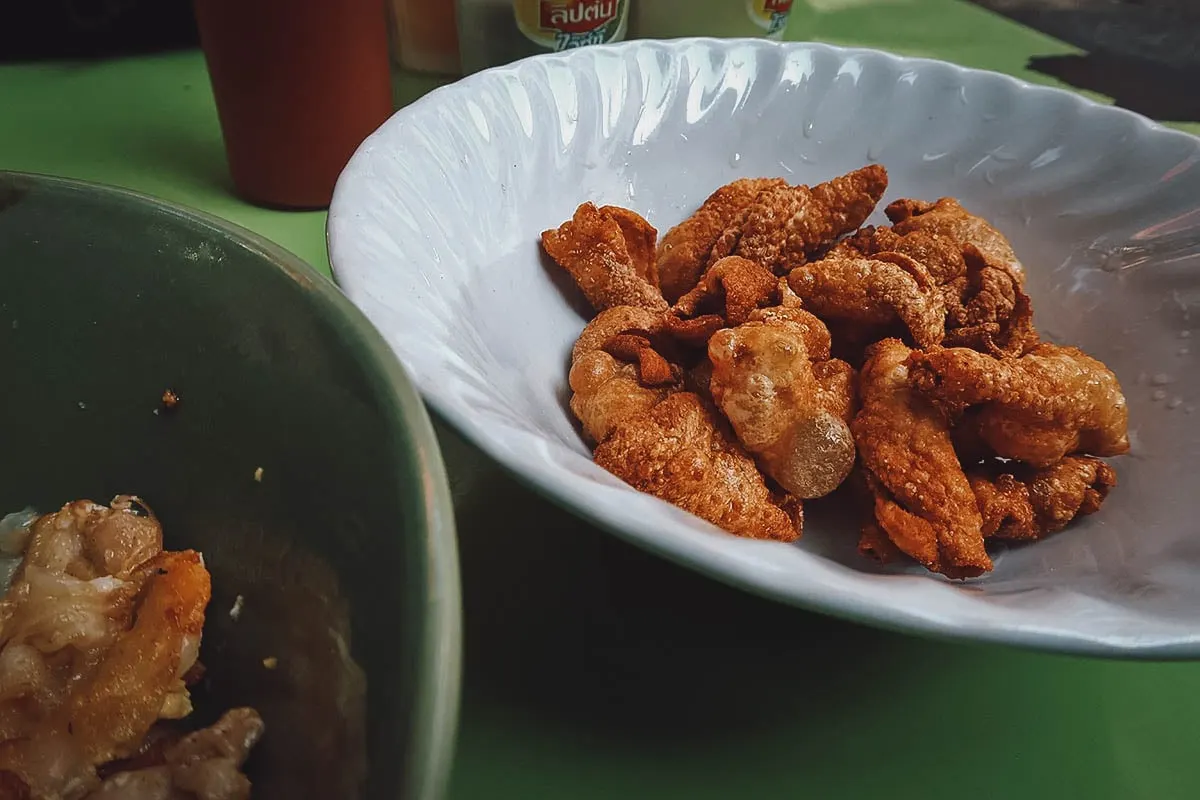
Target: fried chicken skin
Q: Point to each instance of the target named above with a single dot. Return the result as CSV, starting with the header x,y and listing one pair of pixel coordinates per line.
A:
x,y
948,218
641,240
873,294
837,381
683,253
111,712
763,379
726,295
1027,503
607,251
203,764
785,225
875,544
940,254
922,499
683,452
616,372
987,308
838,384
101,628
720,372
1052,402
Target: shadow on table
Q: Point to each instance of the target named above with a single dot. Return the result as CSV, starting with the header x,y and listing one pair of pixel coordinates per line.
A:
x,y
1145,54
574,627
1158,91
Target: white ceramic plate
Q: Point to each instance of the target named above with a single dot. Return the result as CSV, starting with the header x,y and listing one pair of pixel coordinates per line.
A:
x,y
434,230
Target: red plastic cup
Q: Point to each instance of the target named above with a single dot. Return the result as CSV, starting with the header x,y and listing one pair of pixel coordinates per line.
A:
x,y
298,84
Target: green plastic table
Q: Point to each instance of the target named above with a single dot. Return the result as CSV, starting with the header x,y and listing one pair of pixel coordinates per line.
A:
x,y
596,671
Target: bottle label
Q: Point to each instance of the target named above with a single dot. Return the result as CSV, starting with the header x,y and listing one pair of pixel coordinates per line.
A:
x,y
563,24
770,15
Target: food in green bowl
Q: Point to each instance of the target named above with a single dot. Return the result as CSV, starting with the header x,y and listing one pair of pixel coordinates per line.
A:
x,y
154,351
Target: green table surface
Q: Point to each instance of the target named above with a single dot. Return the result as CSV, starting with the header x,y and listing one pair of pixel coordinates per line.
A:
x,y
595,671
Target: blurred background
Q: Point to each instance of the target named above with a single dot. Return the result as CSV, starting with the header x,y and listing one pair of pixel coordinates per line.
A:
x,y
1143,53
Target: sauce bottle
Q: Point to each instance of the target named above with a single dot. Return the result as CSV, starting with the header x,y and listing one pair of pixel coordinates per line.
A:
x,y
425,36
668,19
495,32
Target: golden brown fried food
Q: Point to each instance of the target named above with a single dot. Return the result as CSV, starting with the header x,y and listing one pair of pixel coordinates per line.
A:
x,y
609,369
923,501
726,295
939,254
763,380
948,218
874,294
1047,404
989,310
641,239
786,225
837,382
792,312
683,452
205,764
610,269
653,369
736,384
101,630
875,544
110,712
1027,503
683,253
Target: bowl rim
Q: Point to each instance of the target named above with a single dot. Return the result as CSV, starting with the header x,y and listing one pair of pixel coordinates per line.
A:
x,y
439,668
342,208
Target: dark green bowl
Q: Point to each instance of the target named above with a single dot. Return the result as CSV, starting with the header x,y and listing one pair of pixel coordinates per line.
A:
x,y
343,553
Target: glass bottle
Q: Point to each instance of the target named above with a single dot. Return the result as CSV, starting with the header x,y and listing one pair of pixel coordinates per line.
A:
x,y
668,19
425,36
495,32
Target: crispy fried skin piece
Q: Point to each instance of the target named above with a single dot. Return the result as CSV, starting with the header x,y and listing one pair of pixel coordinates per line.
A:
x,y
205,764
940,254
683,253
923,501
837,383
786,225
989,310
87,706
764,381
609,366
874,543
1047,404
653,367
593,248
948,218
640,240
726,295
682,451
791,311
1027,503
873,293
111,712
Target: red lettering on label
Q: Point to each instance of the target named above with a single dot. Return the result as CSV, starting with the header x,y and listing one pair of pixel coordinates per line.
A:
x,y
579,16
778,6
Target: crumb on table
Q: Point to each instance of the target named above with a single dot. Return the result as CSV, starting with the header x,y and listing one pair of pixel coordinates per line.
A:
x,y
236,611
258,472
270,662
170,399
